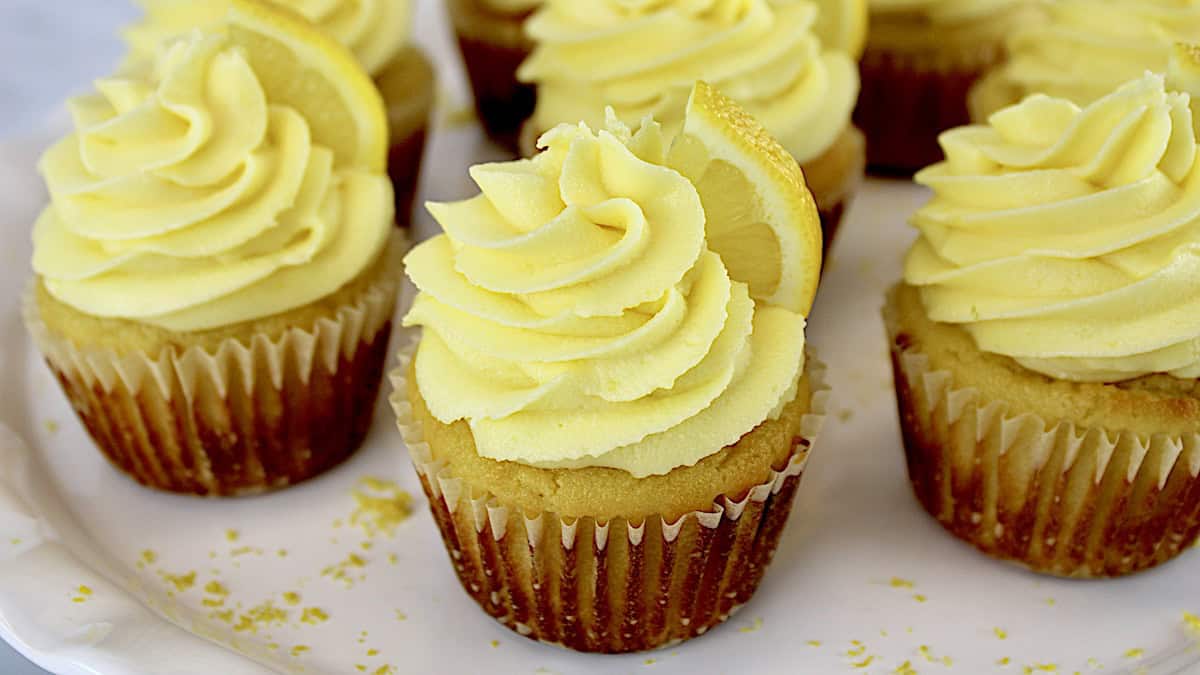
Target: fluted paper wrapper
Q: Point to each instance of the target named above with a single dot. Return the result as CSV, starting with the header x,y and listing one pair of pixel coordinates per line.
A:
x,y
906,101
502,102
1057,497
609,586
253,415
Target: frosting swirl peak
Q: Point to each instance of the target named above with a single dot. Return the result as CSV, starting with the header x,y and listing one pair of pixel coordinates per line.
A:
x,y
574,315
1068,238
188,200
642,57
375,30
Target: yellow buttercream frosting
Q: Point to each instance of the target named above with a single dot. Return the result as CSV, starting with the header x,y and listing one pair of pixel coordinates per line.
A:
x,y
375,30
1086,48
1069,238
642,57
187,199
574,316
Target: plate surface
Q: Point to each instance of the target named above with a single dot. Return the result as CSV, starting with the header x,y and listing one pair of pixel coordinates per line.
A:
x,y
863,581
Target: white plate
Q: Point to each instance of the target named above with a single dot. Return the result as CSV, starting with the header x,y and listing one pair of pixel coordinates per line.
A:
x,y
836,598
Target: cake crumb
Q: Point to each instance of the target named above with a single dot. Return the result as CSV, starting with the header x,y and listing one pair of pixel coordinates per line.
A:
x,y
360,667
385,670
1094,664
1004,661
401,616
282,553
381,506
1135,653
647,662
299,649
231,535
372,652
1191,621
292,598
1042,668
393,558
920,598
1051,602
845,415
181,582
755,625
341,571
905,668
814,643
313,616
1000,633
149,557
495,643
261,615
51,426
865,663
897,582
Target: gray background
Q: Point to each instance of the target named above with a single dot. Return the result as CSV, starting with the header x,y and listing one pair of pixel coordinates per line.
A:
x,y
50,49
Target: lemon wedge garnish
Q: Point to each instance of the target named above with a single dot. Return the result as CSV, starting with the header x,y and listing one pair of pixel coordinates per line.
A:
x,y
760,216
301,67
842,25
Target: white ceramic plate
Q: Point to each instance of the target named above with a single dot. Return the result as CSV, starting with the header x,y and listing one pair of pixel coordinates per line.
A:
x,y
864,581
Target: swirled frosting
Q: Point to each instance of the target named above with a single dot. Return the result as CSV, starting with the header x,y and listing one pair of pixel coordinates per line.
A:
x,y
1068,238
574,316
1086,48
188,200
375,30
642,57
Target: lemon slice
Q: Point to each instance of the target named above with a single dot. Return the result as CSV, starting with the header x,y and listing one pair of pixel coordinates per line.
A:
x,y
301,67
761,218
842,24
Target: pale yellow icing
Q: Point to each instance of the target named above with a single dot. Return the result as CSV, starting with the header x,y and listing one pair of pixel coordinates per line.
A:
x,y
186,199
375,30
1086,48
1068,238
574,315
642,57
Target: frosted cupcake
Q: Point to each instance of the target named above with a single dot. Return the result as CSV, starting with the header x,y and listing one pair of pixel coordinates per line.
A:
x,y
1045,337
610,409
492,40
642,58
922,58
1085,49
217,269
377,31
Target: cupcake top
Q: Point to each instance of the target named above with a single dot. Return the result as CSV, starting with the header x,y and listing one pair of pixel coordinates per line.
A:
x,y
575,316
642,57
1086,48
963,25
375,30
1068,238
189,198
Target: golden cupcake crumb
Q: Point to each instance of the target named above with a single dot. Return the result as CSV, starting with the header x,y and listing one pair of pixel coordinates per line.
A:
x,y
381,506
1042,668
495,643
385,670
360,667
897,582
299,649
1051,602
1000,633
1004,661
246,550
648,662
1135,653
231,535
814,643
149,557
313,616
181,582
291,598
1191,621
905,668
864,663
372,652
341,571
261,615
51,426
393,558
401,616
282,553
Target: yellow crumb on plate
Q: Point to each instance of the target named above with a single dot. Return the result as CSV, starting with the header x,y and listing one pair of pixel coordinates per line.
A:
x,y
52,426
1000,633
905,668
1135,653
755,625
381,506
865,663
814,643
897,582
1191,621
299,649
291,598
313,616
231,535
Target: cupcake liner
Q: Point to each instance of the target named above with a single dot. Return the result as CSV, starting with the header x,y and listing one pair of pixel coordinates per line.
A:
x,y
1056,497
252,415
907,100
492,57
404,169
609,586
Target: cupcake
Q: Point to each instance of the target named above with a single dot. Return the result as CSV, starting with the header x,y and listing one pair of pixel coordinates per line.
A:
x,y
493,44
610,405
377,31
921,59
1084,50
216,272
1045,337
642,58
